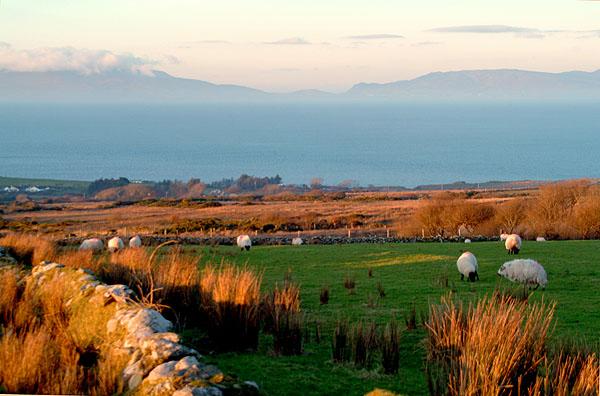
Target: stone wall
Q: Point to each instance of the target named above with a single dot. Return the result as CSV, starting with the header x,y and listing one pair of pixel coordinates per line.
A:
x,y
157,362
287,240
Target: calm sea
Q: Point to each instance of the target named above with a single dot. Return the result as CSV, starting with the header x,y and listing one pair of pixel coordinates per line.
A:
x,y
380,144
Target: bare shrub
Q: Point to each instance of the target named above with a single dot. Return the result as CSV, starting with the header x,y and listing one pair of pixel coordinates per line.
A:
x,y
553,206
586,216
510,215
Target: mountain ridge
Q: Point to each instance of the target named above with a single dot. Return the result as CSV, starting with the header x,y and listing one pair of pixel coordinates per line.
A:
x,y
124,86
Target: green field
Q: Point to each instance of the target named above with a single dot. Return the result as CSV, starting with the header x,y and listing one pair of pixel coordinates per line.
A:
x,y
66,184
411,274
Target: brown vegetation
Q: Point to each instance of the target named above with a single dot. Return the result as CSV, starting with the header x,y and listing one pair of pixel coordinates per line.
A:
x,y
39,352
498,346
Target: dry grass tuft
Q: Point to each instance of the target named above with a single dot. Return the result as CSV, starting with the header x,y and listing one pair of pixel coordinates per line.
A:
x,y
230,298
489,348
390,348
29,249
38,355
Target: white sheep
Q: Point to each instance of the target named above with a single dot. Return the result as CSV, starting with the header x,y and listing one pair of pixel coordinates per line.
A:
x,y
513,244
467,240
525,271
297,241
135,242
503,237
244,242
115,244
540,239
467,266
93,244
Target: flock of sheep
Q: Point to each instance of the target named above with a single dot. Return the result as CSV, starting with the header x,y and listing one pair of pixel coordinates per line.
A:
x,y
526,271
114,244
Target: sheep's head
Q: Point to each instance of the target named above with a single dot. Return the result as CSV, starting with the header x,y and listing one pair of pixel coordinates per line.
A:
x,y
502,270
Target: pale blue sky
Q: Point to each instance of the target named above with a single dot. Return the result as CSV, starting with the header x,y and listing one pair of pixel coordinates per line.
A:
x,y
328,44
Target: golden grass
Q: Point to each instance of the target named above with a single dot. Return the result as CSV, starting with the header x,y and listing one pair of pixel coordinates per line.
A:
x,y
230,298
498,347
38,354
230,284
29,249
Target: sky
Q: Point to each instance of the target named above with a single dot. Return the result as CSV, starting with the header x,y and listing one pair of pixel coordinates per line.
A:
x,y
281,46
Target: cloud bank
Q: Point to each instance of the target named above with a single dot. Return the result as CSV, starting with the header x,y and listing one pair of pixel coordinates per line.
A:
x,y
83,61
493,29
381,36
290,41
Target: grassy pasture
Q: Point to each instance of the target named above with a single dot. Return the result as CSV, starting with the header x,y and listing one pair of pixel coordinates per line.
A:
x,y
411,275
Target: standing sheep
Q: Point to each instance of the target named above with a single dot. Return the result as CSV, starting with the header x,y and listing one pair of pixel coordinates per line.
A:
x,y
244,242
540,239
115,244
526,271
467,240
93,244
297,241
135,242
467,266
503,237
513,244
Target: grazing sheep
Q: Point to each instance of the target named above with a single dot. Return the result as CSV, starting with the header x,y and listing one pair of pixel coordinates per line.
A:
x,y
135,242
93,244
513,244
244,242
467,240
525,271
503,237
297,241
115,244
467,266
540,239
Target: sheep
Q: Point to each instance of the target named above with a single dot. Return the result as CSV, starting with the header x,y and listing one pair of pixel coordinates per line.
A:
x,y
467,266
513,244
135,242
467,240
244,242
540,239
115,244
297,241
93,244
503,237
526,271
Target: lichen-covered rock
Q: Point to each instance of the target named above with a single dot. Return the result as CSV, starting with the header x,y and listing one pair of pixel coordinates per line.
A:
x,y
114,293
196,391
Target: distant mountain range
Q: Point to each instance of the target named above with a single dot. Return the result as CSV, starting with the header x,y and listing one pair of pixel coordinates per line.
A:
x,y
66,86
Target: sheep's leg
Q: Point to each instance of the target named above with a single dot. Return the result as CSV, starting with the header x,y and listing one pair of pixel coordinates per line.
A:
x,y
462,277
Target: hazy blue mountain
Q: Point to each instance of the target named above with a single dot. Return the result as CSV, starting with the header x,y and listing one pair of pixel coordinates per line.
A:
x,y
487,84
116,86
161,87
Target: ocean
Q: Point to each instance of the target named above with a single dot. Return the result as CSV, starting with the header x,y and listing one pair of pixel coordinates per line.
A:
x,y
396,144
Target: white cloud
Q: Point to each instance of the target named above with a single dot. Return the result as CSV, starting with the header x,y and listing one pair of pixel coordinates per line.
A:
x,y
290,41
519,31
380,36
83,61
